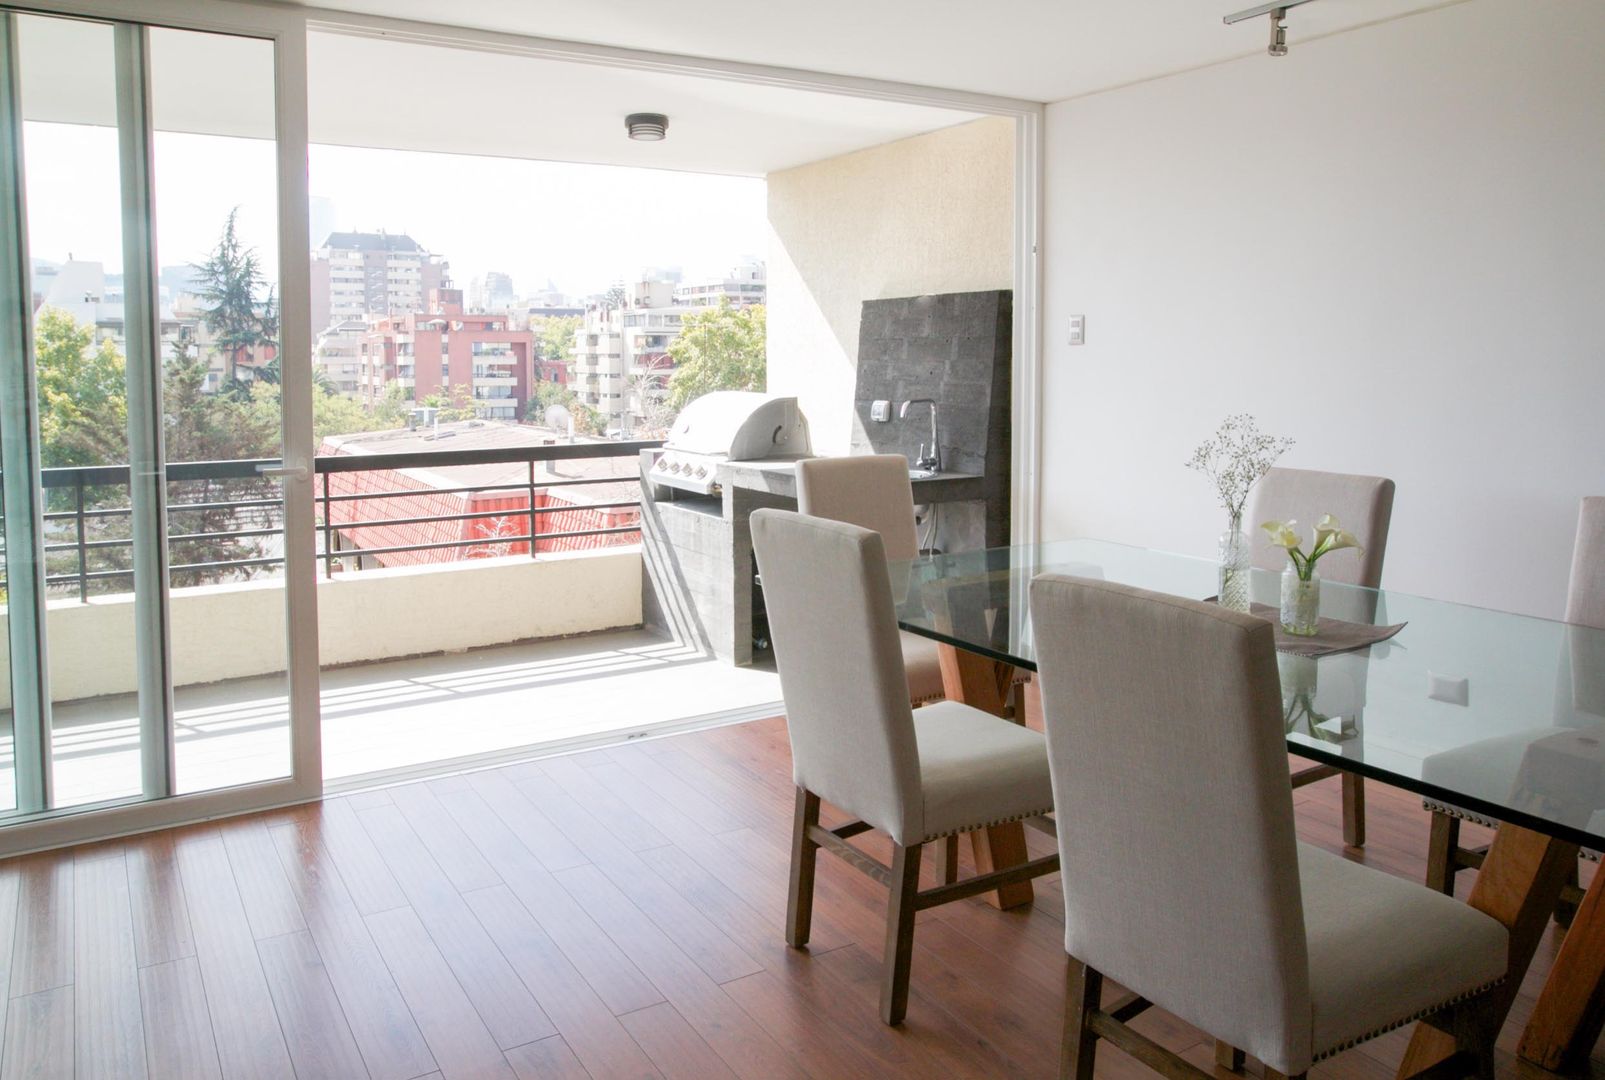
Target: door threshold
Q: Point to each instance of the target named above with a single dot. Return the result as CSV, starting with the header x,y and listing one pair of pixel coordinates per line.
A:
x,y
495,759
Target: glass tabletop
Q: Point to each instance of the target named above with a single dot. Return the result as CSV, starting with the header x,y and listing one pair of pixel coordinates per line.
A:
x,y
1501,714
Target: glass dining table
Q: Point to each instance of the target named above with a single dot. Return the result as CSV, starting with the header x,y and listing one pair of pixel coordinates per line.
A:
x,y
1500,714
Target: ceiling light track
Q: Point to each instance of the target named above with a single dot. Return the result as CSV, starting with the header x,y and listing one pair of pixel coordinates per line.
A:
x,y
1278,13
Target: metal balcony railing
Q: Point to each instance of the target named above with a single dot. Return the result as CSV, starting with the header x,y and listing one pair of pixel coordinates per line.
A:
x,y
83,518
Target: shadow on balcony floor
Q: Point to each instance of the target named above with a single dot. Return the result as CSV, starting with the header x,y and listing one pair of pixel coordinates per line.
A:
x,y
404,714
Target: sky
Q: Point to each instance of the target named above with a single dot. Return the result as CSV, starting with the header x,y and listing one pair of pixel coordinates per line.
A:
x,y
581,226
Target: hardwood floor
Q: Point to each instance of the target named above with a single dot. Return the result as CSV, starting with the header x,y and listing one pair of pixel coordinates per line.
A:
x,y
617,913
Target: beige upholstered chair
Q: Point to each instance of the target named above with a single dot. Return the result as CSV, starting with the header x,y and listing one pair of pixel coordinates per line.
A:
x,y
1195,895
856,742
873,491
1364,504
1585,606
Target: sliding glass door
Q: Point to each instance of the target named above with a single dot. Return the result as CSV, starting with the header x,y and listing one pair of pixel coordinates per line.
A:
x,y
155,435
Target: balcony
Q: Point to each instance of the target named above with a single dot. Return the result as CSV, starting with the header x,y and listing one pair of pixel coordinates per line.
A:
x,y
442,637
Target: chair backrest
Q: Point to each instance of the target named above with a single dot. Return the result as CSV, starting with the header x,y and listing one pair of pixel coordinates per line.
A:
x,y
872,491
836,642
1170,786
1363,504
1585,597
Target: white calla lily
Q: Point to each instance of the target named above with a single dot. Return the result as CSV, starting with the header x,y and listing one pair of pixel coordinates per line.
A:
x,y
1282,534
1342,538
1326,527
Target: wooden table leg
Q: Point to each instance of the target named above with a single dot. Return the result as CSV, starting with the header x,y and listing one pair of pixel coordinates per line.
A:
x,y
984,684
1518,884
1571,1008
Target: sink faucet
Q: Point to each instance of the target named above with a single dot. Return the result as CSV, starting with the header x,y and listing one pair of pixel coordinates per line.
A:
x,y
932,460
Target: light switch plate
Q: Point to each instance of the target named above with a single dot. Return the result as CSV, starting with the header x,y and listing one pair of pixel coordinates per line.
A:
x,y
1453,689
1078,329
880,411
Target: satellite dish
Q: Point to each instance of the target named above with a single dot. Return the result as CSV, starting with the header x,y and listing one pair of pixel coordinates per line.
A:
x,y
559,419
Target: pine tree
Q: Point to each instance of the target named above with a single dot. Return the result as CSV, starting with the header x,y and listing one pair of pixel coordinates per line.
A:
x,y
230,282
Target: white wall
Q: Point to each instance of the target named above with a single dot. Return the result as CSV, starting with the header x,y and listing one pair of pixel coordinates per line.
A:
x,y
233,631
1389,244
930,214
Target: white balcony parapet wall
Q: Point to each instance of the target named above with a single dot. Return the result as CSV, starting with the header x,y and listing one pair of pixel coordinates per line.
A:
x,y
233,631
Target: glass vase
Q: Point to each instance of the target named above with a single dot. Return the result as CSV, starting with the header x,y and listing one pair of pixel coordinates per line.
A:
x,y
1232,578
1301,602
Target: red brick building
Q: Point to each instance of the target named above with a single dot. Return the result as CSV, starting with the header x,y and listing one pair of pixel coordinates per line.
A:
x,y
460,356
499,492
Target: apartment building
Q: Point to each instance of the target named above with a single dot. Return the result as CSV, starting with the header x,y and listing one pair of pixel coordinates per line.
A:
x,y
743,286
338,355
357,274
622,352
617,344
441,349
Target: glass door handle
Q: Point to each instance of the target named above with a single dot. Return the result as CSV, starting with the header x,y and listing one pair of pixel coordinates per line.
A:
x,y
296,472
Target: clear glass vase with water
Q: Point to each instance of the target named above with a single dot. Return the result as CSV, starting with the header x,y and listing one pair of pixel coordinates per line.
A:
x,y
1232,580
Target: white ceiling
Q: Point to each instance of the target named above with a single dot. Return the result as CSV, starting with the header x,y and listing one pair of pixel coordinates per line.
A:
x,y
1039,50
395,95
384,93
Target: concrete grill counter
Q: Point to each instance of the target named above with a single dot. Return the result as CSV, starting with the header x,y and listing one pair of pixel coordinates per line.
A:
x,y
953,349
697,550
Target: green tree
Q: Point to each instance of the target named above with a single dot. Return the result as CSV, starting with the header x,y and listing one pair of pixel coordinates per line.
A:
x,y
719,348
556,335
587,421
83,396
269,373
332,414
458,406
241,312
199,426
648,401
393,408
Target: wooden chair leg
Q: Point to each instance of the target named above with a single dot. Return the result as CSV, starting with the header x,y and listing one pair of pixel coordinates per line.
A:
x,y
804,854
1441,852
1083,989
1570,1012
1475,1026
1229,1057
947,859
1353,809
900,932
1570,898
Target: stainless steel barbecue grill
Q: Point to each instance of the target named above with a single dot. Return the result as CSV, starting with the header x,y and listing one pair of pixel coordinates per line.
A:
x,y
728,425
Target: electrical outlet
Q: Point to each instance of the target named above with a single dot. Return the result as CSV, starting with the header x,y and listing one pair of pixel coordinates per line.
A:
x,y
1453,689
1078,329
880,411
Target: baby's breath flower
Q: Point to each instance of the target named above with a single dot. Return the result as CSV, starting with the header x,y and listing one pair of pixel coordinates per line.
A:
x,y
1235,457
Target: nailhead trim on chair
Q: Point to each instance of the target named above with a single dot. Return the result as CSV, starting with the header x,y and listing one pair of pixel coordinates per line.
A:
x,y
987,825
1021,677
1466,815
1457,812
1412,1018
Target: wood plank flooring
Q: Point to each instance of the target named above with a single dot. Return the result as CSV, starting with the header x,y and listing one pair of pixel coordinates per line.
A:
x,y
616,913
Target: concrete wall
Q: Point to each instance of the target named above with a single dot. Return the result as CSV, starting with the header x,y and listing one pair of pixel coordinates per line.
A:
x,y
232,631
930,214
1389,245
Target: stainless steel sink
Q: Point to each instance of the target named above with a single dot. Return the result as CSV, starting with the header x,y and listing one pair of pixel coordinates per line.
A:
x,y
921,474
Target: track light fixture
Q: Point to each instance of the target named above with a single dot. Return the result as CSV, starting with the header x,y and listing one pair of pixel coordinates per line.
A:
x,y
1278,13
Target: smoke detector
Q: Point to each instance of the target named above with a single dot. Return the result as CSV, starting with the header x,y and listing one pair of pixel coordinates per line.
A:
x,y
647,126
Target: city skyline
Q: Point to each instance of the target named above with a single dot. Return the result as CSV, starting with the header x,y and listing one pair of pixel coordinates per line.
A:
x,y
589,226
